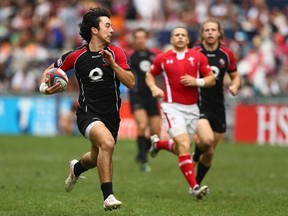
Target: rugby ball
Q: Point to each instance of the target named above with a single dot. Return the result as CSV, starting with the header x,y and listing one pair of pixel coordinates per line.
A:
x,y
57,75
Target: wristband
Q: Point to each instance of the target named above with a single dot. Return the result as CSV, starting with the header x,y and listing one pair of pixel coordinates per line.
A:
x,y
200,82
43,87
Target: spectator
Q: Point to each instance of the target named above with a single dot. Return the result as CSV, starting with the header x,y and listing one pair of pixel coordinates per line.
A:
x,y
257,63
4,81
249,17
270,87
246,92
55,31
282,78
69,15
67,119
24,80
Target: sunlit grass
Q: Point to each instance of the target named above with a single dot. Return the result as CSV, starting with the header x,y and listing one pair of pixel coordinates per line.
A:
x,y
244,180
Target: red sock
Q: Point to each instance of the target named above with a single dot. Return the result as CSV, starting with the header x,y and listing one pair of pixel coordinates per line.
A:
x,y
167,145
187,168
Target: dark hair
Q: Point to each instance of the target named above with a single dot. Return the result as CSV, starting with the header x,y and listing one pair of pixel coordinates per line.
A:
x,y
140,29
91,19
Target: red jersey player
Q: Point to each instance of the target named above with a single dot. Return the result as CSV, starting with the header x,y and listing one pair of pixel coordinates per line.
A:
x,y
180,113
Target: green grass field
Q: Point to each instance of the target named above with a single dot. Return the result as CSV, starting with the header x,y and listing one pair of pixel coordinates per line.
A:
x,y
245,180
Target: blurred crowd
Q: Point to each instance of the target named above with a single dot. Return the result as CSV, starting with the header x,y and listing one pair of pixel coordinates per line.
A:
x,y
35,32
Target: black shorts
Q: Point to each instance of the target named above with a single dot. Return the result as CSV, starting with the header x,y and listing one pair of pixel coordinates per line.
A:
x,y
111,121
149,103
216,118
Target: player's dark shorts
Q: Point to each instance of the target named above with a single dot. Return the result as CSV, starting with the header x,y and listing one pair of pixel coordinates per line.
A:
x,y
148,103
216,118
111,121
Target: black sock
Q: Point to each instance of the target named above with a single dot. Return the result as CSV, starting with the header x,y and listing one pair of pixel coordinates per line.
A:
x,y
106,189
197,154
78,169
141,141
201,172
148,144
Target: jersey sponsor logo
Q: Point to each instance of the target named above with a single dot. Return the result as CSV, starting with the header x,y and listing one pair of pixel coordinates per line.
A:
x,y
96,75
222,63
191,60
215,70
169,61
96,56
211,55
144,65
59,61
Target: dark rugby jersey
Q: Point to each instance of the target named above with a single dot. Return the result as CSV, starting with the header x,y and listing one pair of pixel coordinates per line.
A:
x,y
221,61
98,84
140,62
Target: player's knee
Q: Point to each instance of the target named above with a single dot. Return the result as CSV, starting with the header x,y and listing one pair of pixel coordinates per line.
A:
x,y
142,128
182,148
206,143
107,144
204,147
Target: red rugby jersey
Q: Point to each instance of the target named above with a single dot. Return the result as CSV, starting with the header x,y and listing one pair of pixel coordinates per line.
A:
x,y
173,65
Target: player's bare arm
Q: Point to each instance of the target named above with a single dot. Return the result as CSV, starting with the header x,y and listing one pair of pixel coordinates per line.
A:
x,y
125,77
44,88
210,80
151,83
235,83
207,81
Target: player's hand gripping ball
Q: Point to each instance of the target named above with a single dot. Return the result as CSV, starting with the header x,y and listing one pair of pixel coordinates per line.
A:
x,y
57,75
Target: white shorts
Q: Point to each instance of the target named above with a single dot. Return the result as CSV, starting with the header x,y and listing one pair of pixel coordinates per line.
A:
x,y
88,129
179,119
